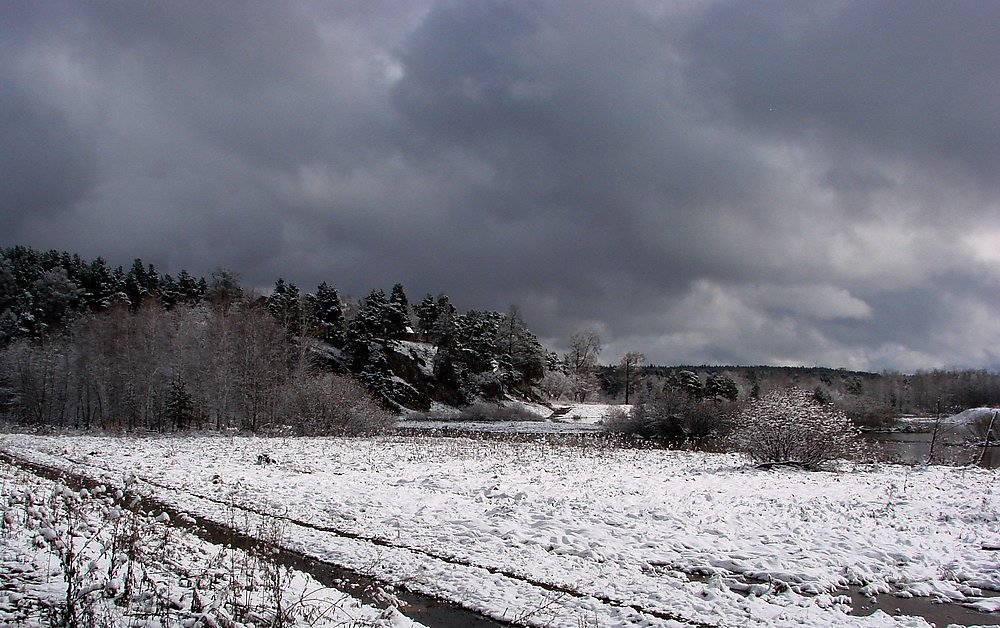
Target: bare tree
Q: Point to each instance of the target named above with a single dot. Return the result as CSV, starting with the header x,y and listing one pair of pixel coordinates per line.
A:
x,y
581,363
584,347
630,369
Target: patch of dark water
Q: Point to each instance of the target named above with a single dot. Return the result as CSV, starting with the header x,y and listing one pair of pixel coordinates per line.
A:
x,y
936,611
915,448
939,613
426,609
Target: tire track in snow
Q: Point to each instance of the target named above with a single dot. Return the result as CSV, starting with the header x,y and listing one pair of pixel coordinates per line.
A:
x,y
384,543
419,606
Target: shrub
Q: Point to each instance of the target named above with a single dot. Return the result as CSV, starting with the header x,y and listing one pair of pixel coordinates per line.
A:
x,y
790,427
334,404
676,418
867,413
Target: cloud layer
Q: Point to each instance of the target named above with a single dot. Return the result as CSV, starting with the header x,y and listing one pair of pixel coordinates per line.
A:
x,y
712,182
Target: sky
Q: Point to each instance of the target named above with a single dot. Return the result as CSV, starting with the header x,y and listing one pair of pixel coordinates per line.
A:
x,y
707,182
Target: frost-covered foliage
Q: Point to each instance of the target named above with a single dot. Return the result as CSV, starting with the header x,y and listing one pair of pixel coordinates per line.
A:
x,y
92,558
189,367
674,417
790,426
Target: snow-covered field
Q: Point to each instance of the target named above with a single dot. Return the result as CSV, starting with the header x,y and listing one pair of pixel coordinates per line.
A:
x,y
592,413
504,427
126,568
568,535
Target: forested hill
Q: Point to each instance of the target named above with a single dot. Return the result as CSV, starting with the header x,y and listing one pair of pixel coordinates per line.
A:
x,y
408,355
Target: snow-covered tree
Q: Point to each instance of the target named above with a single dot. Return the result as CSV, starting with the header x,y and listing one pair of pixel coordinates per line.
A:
x,y
718,387
398,312
285,305
426,312
327,314
445,329
373,315
687,383
141,283
788,426
56,298
224,288
191,289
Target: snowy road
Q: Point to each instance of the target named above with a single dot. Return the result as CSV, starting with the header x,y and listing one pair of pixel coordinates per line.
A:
x,y
537,534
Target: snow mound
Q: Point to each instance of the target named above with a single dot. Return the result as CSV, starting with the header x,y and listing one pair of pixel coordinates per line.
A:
x,y
971,416
584,412
537,409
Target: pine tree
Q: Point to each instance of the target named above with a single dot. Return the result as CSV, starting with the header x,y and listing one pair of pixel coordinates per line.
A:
x,y
190,289
327,313
286,306
426,312
445,328
170,293
373,314
520,351
224,288
98,285
179,406
376,373
398,314
141,282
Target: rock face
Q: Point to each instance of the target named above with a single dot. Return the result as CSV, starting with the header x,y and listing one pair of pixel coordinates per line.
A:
x,y
413,371
413,376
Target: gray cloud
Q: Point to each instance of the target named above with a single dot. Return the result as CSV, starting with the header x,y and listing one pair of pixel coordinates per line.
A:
x,y
810,183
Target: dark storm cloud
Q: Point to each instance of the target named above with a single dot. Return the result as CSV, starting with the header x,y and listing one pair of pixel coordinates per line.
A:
x,y
710,182
915,80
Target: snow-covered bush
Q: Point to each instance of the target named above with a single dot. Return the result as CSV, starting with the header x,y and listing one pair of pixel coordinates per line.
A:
x,y
790,426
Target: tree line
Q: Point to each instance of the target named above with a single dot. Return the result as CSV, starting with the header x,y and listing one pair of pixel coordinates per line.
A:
x,y
186,351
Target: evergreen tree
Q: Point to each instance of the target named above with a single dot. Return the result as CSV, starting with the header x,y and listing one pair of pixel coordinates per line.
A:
x,y
190,290
56,299
224,288
426,312
373,314
170,293
718,386
98,286
686,382
445,329
179,406
521,354
141,282
285,305
327,313
477,339
376,373
398,314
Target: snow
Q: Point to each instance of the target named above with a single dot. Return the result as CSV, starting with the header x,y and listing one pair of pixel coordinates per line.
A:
x,y
422,354
587,412
567,535
538,409
502,427
172,574
963,418
971,416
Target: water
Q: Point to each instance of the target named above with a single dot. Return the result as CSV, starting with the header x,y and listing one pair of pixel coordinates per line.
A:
x,y
915,448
